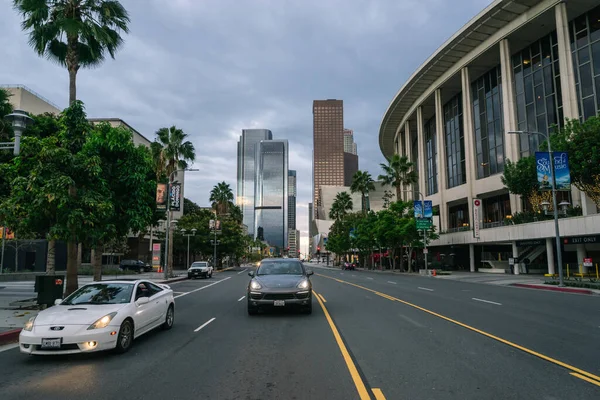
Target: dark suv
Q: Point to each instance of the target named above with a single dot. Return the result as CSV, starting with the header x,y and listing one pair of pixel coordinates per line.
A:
x,y
135,265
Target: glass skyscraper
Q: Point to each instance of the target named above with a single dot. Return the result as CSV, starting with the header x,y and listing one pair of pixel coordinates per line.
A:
x,y
271,192
246,173
291,199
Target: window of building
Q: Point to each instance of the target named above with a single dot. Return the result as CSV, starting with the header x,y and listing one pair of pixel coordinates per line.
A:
x,y
585,46
537,90
488,125
455,142
415,154
458,217
431,154
495,210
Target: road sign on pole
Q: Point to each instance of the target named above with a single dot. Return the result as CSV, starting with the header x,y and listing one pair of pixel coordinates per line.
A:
x,y
424,223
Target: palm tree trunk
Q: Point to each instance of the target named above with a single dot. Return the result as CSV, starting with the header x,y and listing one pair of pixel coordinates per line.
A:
x,y
97,262
72,283
170,244
72,85
398,193
79,254
51,259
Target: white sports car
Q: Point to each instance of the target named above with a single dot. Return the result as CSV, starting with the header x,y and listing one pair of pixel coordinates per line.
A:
x,y
99,316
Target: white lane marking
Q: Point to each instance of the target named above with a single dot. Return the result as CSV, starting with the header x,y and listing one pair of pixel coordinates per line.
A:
x,y
8,347
341,273
204,324
179,292
412,321
392,282
424,288
241,272
203,287
242,298
354,276
368,277
486,301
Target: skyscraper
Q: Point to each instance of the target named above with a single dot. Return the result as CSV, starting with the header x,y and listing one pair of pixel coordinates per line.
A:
x,y
271,192
328,146
349,145
291,199
246,172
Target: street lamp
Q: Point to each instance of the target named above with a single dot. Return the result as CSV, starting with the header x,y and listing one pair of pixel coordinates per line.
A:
x,y
554,203
424,230
19,120
166,271
183,232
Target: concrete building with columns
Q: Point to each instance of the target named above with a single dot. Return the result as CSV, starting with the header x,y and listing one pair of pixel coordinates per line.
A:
x,y
519,65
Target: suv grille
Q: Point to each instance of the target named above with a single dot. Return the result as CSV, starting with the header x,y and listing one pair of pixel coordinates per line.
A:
x,y
279,296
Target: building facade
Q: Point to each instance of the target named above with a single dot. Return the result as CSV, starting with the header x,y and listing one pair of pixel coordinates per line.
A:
x,y
23,98
246,172
520,65
292,194
271,192
349,145
328,145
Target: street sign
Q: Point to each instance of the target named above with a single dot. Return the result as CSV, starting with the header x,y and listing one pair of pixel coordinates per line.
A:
x,y
425,251
587,262
424,223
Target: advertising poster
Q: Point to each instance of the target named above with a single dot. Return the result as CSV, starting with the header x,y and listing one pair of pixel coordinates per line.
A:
x,y
561,170
161,196
175,197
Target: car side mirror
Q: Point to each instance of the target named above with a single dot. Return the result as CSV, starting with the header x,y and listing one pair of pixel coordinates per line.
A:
x,y
251,274
142,300
57,302
309,273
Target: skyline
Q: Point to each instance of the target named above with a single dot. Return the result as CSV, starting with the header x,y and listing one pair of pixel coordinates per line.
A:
x,y
216,85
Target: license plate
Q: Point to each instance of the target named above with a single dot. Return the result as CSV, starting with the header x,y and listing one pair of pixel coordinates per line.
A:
x,y
279,303
51,343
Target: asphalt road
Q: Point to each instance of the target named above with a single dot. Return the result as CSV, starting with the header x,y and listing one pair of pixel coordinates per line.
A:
x,y
371,334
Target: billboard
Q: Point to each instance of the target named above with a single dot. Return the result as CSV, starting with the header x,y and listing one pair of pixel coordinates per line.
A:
x,y
175,197
562,174
161,196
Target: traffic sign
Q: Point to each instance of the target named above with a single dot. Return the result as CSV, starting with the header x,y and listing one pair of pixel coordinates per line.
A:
x,y
424,223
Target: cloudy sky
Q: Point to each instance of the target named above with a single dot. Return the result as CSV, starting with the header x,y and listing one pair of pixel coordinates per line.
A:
x,y
214,67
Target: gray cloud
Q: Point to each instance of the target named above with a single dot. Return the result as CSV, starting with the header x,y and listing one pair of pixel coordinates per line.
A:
x,y
215,67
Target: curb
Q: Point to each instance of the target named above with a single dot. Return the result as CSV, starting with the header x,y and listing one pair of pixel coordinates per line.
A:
x,y
555,289
9,336
185,278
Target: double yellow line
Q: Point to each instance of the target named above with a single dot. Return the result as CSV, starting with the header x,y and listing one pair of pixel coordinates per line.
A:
x,y
356,378
577,372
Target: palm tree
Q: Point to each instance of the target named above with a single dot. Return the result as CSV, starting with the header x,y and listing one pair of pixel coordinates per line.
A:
x,y
363,183
340,207
171,152
399,173
74,33
221,198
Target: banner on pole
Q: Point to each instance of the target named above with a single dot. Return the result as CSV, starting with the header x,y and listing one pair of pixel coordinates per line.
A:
x,y
562,173
175,197
476,217
161,196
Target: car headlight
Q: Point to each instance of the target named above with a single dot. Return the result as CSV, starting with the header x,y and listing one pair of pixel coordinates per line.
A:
x,y
29,324
303,284
102,322
255,285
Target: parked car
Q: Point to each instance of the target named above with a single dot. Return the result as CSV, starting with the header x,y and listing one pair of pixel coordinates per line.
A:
x,y
99,316
135,265
200,269
348,266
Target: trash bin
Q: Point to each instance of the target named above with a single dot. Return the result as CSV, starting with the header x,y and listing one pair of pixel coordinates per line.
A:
x,y
49,288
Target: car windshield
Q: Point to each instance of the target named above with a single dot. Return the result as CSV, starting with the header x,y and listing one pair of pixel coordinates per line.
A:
x,y
199,265
101,293
280,268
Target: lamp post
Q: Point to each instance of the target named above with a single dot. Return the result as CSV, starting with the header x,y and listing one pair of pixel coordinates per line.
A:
x,y
167,235
183,232
554,203
19,120
424,230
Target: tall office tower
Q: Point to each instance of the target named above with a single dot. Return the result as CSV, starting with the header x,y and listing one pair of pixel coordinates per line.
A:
x,y
328,146
246,172
291,199
349,145
271,192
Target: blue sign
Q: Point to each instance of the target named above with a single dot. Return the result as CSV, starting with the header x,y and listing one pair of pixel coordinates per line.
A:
x,y
419,210
325,241
562,174
352,234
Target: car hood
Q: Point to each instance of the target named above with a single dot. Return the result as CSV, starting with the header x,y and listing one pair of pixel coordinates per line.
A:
x,y
82,314
279,281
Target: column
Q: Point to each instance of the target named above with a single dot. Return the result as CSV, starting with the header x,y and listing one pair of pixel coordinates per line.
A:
x,y
408,147
469,133
515,254
422,152
580,256
550,255
472,257
441,157
567,78
509,114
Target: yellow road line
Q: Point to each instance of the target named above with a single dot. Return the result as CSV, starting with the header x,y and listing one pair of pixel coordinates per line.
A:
x,y
358,382
378,394
224,269
489,335
585,378
322,298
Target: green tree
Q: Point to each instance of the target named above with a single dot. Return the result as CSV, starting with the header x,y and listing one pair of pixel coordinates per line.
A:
x,y
362,182
399,173
5,109
128,177
340,207
74,33
221,198
171,151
